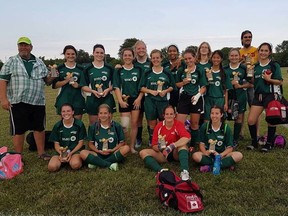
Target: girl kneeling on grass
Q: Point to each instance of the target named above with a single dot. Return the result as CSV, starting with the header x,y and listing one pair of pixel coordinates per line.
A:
x,y
106,142
169,142
216,139
68,136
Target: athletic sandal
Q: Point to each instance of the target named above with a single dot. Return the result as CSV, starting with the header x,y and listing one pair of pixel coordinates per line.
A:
x,y
44,156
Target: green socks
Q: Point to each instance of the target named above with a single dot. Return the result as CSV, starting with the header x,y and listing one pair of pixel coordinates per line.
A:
x,y
227,162
237,129
115,157
95,160
151,163
184,159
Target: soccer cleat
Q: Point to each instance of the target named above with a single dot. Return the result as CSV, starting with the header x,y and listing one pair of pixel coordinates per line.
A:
x,y
205,168
91,166
114,166
185,175
267,147
138,143
251,147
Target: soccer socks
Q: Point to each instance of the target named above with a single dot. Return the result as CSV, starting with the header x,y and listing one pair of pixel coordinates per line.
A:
x,y
271,134
237,129
151,163
95,160
139,133
205,160
194,137
184,159
227,162
253,134
115,157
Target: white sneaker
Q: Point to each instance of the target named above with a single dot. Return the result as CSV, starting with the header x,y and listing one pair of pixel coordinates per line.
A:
x,y
185,175
92,166
114,166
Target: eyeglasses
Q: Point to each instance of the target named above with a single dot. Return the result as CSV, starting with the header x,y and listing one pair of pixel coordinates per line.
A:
x,y
247,37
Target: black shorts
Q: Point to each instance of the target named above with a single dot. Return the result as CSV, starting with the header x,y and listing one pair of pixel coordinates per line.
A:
x,y
174,98
131,106
24,117
262,99
186,107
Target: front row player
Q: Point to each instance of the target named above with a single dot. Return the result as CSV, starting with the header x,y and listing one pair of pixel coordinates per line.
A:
x,y
106,142
216,139
169,143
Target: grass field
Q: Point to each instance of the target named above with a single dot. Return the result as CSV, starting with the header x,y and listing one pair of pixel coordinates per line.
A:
x,y
256,187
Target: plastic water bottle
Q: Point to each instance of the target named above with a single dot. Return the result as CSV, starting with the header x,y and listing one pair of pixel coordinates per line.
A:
x,y
217,165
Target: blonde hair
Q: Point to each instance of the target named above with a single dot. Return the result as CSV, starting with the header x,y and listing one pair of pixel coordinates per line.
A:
x,y
198,54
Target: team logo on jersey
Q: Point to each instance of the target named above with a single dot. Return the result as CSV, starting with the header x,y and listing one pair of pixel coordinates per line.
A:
x,y
75,78
219,143
193,81
217,83
73,138
104,78
134,78
110,139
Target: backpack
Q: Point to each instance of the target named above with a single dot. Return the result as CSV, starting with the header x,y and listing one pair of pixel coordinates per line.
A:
x,y
11,164
172,191
279,141
32,144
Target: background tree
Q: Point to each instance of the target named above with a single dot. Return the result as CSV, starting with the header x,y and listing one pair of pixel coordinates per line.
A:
x,y
195,48
281,55
164,53
83,57
225,51
1,64
128,43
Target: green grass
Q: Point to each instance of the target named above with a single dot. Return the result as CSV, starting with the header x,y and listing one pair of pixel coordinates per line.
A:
x,y
258,186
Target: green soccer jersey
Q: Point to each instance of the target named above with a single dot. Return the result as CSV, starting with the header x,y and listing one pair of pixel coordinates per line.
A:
x,y
202,66
145,66
216,86
99,134
239,74
68,136
158,82
260,85
198,80
223,137
128,81
97,76
67,93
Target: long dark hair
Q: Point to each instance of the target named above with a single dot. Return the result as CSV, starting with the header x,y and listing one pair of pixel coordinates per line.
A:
x,y
222,73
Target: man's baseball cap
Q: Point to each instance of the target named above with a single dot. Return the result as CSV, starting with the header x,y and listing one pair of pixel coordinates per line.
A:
x,y
25,40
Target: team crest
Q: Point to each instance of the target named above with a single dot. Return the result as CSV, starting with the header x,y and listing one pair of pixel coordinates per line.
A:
x,y
73,138
111,139
104,78
217,83
134,78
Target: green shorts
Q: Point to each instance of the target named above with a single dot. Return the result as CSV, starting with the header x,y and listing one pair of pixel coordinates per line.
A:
x,y
242,99
93,103
210,102
154,109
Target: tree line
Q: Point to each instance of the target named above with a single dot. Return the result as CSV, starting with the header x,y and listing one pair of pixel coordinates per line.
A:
x,y
83,57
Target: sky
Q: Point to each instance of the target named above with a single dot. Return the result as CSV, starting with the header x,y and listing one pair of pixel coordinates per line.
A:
x,y
53,24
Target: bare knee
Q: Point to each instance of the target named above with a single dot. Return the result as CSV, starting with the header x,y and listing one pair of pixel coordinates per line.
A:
x,y
124,150
143,153
75,164
197,156
237,156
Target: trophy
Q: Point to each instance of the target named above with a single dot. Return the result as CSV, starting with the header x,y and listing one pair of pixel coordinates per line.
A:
x,y
236,76
125,97
212,144
188,75
105,146
250,71
161,142
53,70
64,153
209,74
250,66
160,86
71,78
99,88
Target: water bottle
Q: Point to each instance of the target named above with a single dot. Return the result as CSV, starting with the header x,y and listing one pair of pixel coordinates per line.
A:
x,y
217,165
